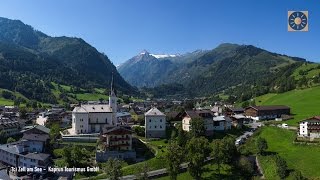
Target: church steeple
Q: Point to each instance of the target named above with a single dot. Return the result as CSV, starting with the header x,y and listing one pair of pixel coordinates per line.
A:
x,y
113,101
112,86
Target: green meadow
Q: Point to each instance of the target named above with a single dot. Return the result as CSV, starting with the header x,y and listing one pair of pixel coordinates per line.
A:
x,y
304,158
304,103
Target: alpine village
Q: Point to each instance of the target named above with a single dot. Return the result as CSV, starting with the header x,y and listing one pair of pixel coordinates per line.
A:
x,y
232,112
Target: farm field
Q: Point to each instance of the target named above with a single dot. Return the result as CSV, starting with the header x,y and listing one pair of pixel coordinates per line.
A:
x,y
304,158
304,103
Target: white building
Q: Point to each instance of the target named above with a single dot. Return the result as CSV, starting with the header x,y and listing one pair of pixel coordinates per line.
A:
x,y
29,151
211,122
205,115
310,127
155,123
94,118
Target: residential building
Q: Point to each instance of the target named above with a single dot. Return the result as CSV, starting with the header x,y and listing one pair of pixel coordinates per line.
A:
x,y
217,110
310,127
234,110
45,118
28,152
155,123
221,123
266,112
116,142
18,155
205,115
10,127
124,117
239,119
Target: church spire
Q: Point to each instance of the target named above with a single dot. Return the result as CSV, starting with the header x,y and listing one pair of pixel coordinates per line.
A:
x,y
112,86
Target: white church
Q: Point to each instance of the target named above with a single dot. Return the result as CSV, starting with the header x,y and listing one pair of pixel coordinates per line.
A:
x,y
94,118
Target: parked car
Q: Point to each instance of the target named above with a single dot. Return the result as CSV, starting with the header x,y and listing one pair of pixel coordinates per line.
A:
x,y
284,125
239,141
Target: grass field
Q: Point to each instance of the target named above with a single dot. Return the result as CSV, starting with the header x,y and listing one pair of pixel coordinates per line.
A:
x,y
310,70
303,103
9,102
91,96
304,158
211,172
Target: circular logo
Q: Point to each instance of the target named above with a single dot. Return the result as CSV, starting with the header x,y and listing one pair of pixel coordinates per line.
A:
x,y
298,20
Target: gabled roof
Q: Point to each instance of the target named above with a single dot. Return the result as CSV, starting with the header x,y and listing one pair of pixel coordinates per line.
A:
x,y
268,108
38,127
237,109
36,137
38,156
200,114
221,118
118,128
154,112
312,119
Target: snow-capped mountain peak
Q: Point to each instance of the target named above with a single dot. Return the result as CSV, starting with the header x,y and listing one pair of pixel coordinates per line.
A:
x,y
158,56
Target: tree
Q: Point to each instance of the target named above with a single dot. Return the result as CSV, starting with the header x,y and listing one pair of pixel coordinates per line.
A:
x,y
197,127
23,113
67,155
54,132
143,172
182,136
174,158
253,102
230,149
246,167
261,145
113,169
197,151
281,167
245,104
296,175
10,140
218,153
2,137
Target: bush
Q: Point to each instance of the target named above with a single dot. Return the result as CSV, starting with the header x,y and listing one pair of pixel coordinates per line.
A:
x,y
140,131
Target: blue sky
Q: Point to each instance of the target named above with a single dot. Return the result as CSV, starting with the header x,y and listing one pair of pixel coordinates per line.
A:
x,y
123,28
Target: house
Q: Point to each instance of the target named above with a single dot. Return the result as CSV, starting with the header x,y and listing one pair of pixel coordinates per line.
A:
x,y
217,110
10,127
124,117
233,110
29,151
310,127
36,129
50,117
174,116
239,119
94,118
155,123
116,142
266,112
221,123
205,115
17,155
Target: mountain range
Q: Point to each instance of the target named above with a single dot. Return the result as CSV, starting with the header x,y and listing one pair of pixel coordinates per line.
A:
x,y
206,72
31,60
34,65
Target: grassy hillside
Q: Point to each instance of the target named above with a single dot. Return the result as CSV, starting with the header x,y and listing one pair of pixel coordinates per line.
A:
x,y
309,70
304,103
10,102
57,90
299,157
